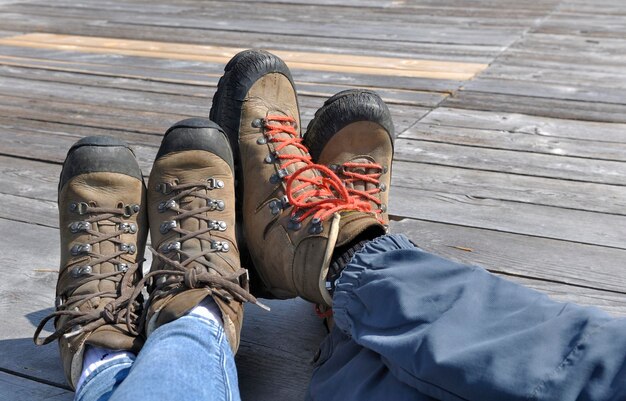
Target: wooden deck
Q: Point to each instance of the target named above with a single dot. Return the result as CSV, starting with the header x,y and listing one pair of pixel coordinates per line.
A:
x,y
511,152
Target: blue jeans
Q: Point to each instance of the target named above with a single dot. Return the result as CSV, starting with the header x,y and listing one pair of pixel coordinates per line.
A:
x,y
187,359
412,326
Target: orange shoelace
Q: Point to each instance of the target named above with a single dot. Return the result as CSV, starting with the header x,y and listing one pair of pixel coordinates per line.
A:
x,y
372,178
321,196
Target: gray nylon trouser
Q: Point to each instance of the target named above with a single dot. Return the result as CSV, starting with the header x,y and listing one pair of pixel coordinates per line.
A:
x,y
412,326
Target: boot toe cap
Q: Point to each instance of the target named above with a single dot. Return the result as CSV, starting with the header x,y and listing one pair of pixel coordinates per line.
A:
x,y
197,134
99,154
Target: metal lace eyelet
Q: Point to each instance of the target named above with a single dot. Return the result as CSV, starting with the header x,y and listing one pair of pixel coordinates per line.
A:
x,y
214,183
271,158
81,270
216,204
282,173
59,301
79,207
166,226
129,210
294,223
79,226
383,207
128,227
128,248
262,140
170,246
166,205
164,188
337,168
316,226
220,246
382,187
385,169
121,267
258,122
78,249
275,207
217,225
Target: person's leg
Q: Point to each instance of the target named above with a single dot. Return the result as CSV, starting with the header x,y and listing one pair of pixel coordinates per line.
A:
x,y
103,376
456,332
187,359
345,370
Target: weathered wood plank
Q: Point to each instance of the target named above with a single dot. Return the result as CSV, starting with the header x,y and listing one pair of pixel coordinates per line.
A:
x,y
142,66
199,86
16,388
317,11
575,90
555,75
527,124
513,217
525,163
439,51
523,142
373,30
54,147
218,54
557,108
479,184
521,255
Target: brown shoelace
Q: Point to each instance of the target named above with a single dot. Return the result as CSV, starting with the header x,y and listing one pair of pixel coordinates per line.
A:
x,y
193,270
121,309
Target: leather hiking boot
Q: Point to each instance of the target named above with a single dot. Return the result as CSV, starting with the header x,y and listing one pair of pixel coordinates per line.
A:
x,y
191,207
352,133
294,212
103,228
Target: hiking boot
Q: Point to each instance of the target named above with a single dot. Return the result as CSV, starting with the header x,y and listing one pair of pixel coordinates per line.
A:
x,y
294,212
191,207
352,133
103,228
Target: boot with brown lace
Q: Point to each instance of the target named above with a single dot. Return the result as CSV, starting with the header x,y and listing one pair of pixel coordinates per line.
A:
x,y
295,213
191,209
103,228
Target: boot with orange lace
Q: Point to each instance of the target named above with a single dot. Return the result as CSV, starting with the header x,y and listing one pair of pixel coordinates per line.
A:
x,y
353,134
295,213
191,209
103,229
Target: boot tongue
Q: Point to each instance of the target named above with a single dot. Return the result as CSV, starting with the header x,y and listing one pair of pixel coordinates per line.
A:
x,y
114,337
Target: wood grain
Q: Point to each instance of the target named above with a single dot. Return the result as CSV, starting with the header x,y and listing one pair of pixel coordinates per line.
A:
x,y
221,55
511,148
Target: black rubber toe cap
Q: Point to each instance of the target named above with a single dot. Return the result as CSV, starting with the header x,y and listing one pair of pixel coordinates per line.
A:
x,y
344,108
197,134
94,154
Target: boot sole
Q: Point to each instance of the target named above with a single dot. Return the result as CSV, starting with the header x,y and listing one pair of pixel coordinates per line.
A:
x,y
240,74
342,109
